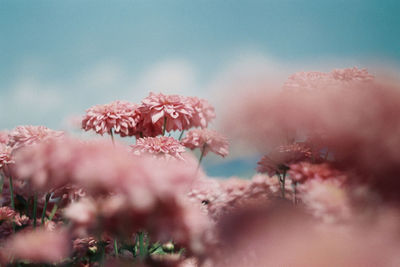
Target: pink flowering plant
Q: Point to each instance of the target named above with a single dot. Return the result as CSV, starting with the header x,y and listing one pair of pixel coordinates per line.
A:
x,y
327,170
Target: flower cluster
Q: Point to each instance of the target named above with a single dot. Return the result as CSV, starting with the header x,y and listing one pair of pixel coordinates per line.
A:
x,y
329,171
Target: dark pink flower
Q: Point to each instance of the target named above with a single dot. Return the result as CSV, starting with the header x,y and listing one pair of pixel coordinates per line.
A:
x,y
206,140
278,160
159,146
120,116
173,110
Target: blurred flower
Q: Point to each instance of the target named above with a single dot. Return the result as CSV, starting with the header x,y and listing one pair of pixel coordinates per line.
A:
x,y
162,146
279,159
206,140
203,112
4,137
6,213
29,135
326,199
38,246
120,116
174,110
304,171
352,74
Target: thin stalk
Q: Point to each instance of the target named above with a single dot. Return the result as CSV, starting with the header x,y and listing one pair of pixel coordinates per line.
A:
x,y
116,248
45,207
12,197
294,193
34,209
203,149
181,135
282,181
326,155
112,136
165,126
53,212
1,183
142,247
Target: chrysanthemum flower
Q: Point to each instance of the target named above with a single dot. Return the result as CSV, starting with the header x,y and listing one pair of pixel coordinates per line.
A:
x,y
120,116
160,146
39,246
203,113
172,110
5,155
280,158
207,140
29,135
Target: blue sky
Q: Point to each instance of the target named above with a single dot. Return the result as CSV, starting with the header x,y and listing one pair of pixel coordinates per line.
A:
x,y
59,57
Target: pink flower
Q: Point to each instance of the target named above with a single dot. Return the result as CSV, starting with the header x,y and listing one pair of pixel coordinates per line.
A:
x,y
120,116
39,246
5,155
29,135
159,146
352,74
326,199
203,113
175,110
48,165
304,171
278,160
309,81
206,140
6,213
4,137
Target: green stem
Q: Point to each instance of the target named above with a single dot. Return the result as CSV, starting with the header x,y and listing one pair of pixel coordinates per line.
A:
x,y
116,248
53,212
181,135
34,209
283,183
165,125
1,183
142,247
45,207
112,136
203,149
12,199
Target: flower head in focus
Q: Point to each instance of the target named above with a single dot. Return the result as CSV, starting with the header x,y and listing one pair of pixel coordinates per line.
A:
x,y
120,116
29,135
207,140
203,113
172,110
159,146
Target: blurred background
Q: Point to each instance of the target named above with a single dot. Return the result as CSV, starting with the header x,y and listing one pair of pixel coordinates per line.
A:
x,y
57,58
